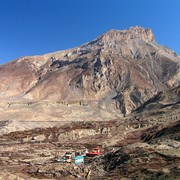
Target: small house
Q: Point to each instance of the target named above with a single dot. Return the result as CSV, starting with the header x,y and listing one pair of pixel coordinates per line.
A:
x,y
79,160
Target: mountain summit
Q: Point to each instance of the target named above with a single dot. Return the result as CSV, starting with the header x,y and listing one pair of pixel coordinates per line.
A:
x,y
119,71
135,32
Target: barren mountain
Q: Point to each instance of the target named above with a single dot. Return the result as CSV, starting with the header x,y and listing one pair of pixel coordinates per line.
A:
x,y
118,71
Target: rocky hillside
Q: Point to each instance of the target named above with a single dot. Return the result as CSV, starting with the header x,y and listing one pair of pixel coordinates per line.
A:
x,y
119,71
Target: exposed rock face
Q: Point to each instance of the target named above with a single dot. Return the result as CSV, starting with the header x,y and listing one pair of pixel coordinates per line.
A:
x,y
119,71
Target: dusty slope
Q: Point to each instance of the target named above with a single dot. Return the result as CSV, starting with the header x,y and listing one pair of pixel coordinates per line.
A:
x,y
145,147
16,116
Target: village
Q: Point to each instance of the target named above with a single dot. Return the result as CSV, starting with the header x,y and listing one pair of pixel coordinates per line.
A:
x,y
71,160
49,160
80,157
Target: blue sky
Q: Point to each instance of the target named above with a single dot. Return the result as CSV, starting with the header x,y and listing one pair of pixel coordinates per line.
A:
x,y
31,27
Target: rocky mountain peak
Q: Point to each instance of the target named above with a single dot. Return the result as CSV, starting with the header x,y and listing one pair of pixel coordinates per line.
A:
x,y
134,32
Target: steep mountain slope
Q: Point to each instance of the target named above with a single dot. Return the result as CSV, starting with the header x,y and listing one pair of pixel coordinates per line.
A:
x,y
168,100
119,71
